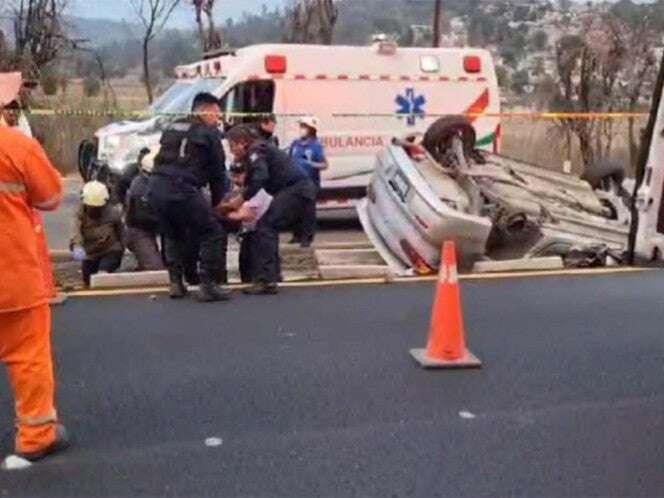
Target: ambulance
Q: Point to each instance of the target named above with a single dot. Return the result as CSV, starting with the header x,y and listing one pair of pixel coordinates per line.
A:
x,y
363,97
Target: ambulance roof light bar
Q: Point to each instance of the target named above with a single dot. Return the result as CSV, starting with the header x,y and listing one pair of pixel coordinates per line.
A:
x,y
276,64
472,64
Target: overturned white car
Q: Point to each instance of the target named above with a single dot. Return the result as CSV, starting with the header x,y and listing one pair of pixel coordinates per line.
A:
x,y
438,187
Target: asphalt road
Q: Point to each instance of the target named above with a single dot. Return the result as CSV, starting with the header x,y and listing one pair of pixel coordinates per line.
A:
x,y
314,394
58,223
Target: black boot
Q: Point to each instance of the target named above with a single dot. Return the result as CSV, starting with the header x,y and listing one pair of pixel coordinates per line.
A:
x,y
178,289
211,292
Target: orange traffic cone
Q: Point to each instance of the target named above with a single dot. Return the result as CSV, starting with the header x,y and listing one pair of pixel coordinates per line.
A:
x,y
447,341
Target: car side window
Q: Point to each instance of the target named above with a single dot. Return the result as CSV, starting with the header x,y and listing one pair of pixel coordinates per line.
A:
x,y
245,101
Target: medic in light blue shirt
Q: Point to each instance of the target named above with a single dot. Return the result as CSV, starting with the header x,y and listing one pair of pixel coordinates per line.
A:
x,y
307,150
309,154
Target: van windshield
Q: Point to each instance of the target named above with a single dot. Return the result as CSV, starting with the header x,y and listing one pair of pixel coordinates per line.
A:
x,y
179,97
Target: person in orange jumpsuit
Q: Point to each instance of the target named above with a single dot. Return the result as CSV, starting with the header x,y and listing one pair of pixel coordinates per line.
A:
x,y
28,181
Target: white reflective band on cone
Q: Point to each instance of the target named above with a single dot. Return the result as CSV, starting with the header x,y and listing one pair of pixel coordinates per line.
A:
x,y
449,275
12,188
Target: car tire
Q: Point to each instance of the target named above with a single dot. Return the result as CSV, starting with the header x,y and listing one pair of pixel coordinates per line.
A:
x,y
437,138
87,152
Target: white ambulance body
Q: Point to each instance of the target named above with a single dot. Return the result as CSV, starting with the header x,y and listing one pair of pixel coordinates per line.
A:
x,y
648,224
363,97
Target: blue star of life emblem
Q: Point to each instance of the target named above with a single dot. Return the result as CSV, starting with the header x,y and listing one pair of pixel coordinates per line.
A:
x,y
411,106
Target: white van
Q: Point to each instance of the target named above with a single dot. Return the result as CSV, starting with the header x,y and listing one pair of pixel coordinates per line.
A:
x,y
363,96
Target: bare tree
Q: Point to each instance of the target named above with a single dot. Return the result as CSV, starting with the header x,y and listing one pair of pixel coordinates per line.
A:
x,y
110,97
153,15
313,21
39,33
640,69
210,37
604,69
301,16
589,66
4,52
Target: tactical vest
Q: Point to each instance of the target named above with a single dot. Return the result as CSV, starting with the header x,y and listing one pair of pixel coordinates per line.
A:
x,y
177,157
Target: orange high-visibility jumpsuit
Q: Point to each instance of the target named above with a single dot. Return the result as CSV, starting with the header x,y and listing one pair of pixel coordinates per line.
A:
x,y
27,181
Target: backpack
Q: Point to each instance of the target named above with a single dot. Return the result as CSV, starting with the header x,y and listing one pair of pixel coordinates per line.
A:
x,y
139,211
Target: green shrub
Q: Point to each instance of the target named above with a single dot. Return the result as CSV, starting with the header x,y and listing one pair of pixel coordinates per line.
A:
x,y
91,86
49,83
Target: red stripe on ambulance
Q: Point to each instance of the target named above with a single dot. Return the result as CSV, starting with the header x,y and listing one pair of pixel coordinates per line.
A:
x,y
480,105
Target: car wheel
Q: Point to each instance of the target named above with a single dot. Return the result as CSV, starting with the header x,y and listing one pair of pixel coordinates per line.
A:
x,y
87,152
438,137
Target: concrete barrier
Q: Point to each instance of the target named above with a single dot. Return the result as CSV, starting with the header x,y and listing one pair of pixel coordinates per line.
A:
x,y
342,245
346,272
334,257
61,256
532,264
129,280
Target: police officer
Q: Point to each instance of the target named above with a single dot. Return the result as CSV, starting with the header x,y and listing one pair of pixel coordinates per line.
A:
x,y
191,157
293,192
266,128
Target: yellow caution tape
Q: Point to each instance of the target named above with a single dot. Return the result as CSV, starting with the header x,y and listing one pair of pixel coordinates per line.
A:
x,y
502,115
513,115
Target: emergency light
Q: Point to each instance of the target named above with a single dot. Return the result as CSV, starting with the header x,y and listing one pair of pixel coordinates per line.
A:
x,y
276,64
472,64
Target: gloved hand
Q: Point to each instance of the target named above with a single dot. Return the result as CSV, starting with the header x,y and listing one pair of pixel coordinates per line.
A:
x,y
78,253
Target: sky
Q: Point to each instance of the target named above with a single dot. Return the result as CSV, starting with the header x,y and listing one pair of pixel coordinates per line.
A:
x,y
120,9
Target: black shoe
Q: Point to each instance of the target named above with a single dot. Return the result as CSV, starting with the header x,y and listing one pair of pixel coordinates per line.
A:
x,y
262,290
61,443
192,279
306,244
213,293
178,289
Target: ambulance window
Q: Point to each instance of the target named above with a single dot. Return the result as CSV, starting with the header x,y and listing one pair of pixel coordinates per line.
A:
x,y
430,64
251,97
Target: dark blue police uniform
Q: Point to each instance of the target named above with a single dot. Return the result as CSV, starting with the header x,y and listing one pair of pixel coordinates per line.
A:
x,y
191,157
293,191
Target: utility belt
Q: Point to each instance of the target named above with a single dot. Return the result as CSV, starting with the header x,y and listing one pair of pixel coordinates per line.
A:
x,y
177,176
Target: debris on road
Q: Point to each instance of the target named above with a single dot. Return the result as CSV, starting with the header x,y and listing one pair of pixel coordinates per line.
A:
x,y
214,442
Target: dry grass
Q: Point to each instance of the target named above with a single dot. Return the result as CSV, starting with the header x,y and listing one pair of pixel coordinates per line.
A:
x,y
62,135
542,143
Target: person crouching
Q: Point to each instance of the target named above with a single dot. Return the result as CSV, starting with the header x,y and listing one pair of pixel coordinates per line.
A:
x,y
97,234
142,223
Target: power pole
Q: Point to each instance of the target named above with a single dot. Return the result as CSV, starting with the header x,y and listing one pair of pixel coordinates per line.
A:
x,y
438,24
